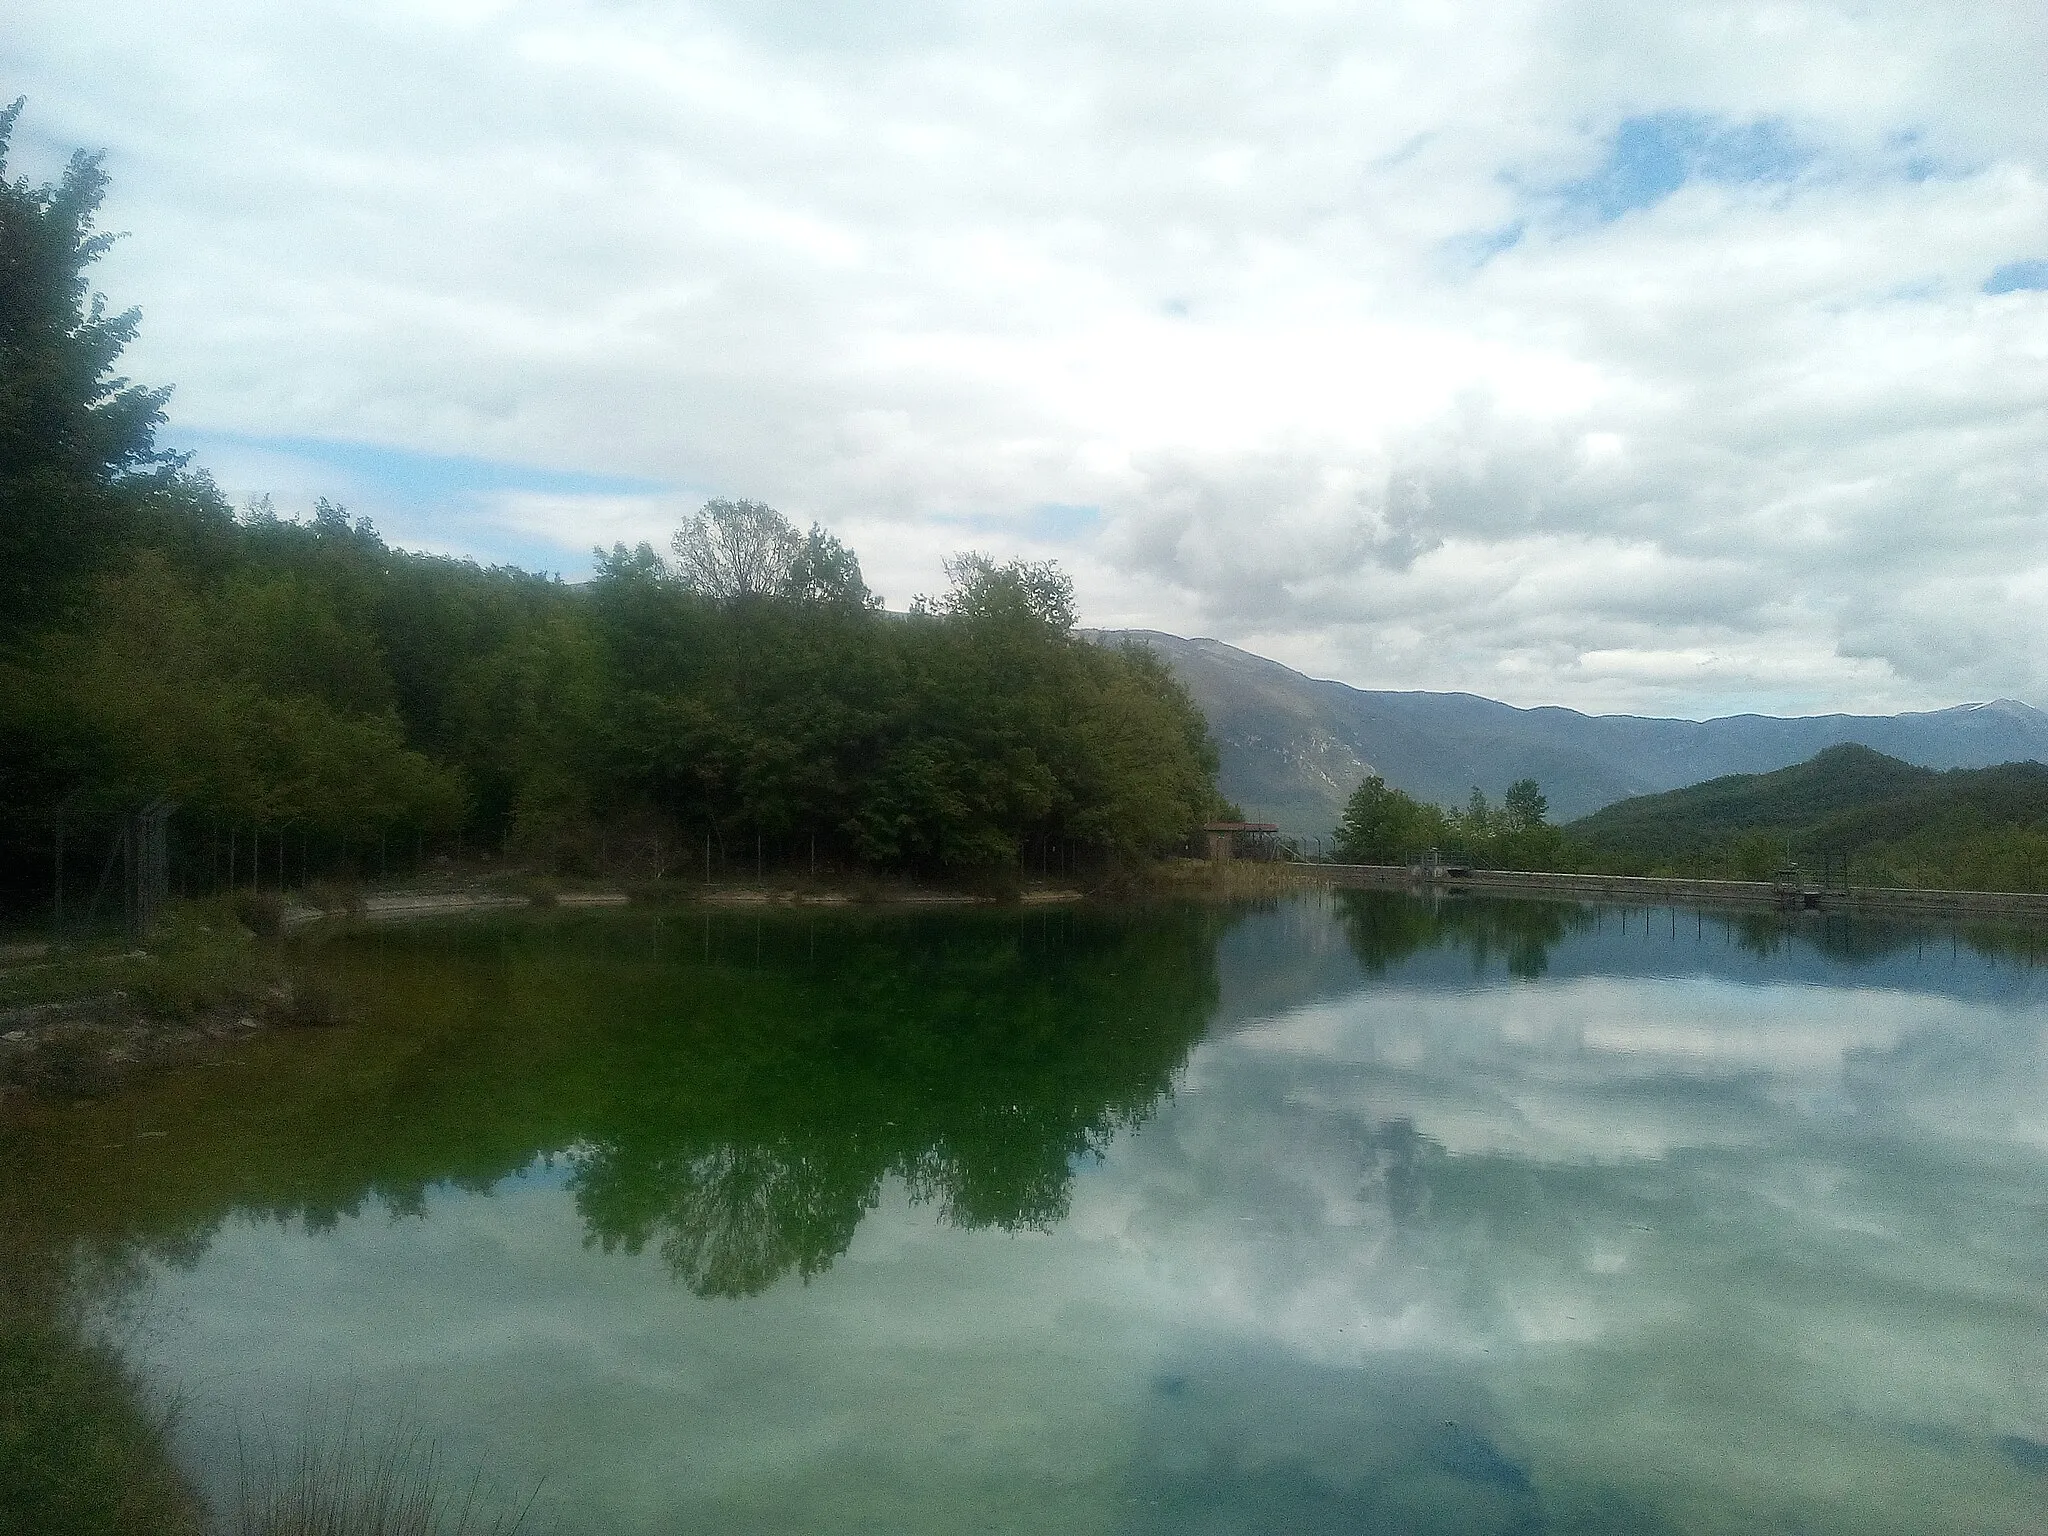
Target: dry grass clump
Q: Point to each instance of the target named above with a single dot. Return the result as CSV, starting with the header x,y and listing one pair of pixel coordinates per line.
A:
x,y
350,1483
1238,877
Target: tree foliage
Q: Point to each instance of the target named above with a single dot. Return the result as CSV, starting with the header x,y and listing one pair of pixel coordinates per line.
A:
x,y
300,675
730,551
1385,825
1894,824
77,441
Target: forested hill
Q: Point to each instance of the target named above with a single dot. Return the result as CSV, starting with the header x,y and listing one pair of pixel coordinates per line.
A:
x,y
1294,747
1984,828
298,687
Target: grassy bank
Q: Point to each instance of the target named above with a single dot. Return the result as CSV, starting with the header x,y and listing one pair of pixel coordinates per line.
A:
x,y
77,1018
82,1452
85,1444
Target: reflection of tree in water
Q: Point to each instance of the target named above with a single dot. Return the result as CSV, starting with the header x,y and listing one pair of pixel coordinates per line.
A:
x,y
741,1217
1861,939
1386,927
976,1063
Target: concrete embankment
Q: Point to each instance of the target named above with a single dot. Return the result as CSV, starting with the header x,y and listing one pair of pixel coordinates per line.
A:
x,y
1662,890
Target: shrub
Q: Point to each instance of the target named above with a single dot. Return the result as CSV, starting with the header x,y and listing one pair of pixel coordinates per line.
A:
x,y
309,1002
203,961
261,912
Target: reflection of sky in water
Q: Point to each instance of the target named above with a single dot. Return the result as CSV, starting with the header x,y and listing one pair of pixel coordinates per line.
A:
x,y
1679,1236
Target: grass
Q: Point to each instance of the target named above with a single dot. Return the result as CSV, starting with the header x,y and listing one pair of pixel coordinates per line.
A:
x,y
349,1482
1236,878
81,1451
201,956
84,1455
91,1013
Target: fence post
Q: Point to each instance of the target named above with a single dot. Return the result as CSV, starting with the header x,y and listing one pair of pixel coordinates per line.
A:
x,y
57,890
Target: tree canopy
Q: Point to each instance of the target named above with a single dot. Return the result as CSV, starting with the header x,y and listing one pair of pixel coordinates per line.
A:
x,y
300,676
75,437
1892,822
1385,825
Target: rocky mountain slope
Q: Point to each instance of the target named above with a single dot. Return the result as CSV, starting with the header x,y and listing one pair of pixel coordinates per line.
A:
x,y
1293,747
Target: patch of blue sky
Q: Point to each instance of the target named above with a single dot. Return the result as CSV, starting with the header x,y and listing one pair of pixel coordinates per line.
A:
x,y
1057,521
1650,157
494,544
1481,246
436,503
403,473
2019,277
1918,291
1049,522
1907,156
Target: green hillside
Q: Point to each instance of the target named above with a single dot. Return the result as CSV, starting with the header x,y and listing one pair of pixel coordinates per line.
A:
x,y
1968,828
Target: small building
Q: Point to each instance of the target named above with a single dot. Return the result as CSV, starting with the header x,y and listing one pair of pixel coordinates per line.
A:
x,y
1241,840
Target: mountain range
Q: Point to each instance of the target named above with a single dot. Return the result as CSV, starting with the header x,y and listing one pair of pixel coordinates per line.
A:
x,y
1293,747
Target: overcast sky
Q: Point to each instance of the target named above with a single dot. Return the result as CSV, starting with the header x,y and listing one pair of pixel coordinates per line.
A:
x,y
1679,359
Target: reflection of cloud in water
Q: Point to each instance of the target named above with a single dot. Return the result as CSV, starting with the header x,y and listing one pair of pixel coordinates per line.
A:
x,y
1253,1442
1663,1210
1590,1253
1605,1067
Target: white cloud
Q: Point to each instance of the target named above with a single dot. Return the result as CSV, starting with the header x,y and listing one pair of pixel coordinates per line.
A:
x,y
1299,297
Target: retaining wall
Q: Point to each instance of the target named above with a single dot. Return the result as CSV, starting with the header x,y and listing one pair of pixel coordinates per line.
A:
x,y
1654,889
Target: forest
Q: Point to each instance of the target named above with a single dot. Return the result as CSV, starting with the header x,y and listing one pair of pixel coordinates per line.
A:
x,y
1383,824
1849,813
299,699
1850,808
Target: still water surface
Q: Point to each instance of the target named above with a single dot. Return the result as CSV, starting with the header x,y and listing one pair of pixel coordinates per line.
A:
x,y
1347,1213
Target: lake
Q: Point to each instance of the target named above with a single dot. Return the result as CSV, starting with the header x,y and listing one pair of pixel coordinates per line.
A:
x,y
1349,1212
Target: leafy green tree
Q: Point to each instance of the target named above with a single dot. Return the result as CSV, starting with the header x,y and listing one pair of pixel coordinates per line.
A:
x,y
1016,592
826,571
77,441
172,693
298,674
1525,808
1472,829
1385,825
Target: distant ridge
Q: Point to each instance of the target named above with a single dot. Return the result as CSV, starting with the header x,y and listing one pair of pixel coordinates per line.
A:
x,y
1974,828
1293,747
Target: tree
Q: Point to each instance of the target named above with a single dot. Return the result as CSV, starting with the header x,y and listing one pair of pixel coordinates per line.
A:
x,y
731,550
1525,807
73,434
1030,591
1384,825
1519,834
826,571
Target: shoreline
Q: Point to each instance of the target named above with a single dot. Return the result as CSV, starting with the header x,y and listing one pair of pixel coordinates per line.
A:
x,y
1662,890
87,1017
106,1013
